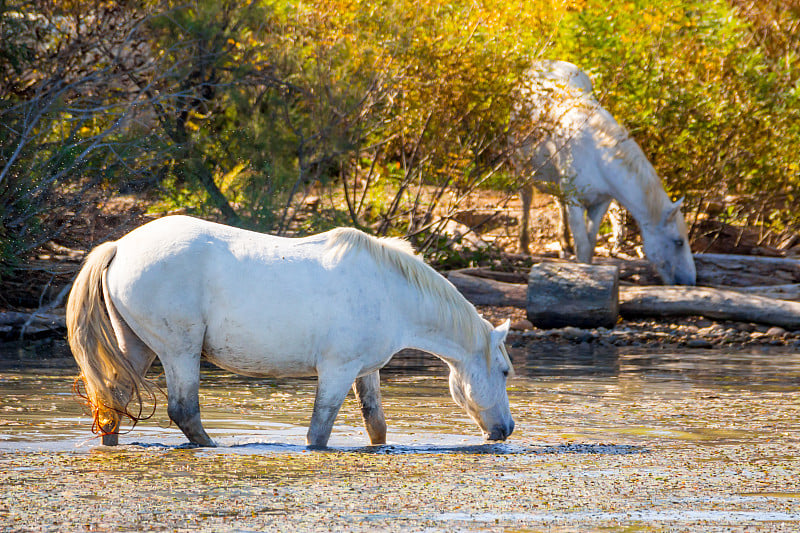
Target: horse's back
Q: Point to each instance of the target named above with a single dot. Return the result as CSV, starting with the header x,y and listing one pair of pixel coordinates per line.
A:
x,y
583,136
193,257
241,295
561,72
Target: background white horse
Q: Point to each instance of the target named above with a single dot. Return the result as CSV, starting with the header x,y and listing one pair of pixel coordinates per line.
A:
x,y
593,160
336,305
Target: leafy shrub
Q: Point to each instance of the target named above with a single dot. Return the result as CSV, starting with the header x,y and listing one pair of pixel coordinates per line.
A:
x,y
395,111
717,114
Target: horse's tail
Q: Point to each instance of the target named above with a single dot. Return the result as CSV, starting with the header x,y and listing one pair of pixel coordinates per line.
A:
x,y
110,380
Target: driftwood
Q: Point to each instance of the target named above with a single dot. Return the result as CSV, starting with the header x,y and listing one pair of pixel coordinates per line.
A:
x,y
573,294
484,291
789,291
713,270
658,301
708,302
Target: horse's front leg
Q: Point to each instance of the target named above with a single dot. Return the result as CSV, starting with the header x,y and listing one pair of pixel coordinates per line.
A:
x,y
368,395
594,217
332,386
577,223
183,391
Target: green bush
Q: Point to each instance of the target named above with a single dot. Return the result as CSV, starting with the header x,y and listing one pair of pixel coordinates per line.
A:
x,y
717,114
393,111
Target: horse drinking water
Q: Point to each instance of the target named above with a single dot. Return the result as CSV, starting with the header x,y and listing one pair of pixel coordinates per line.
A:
x,y
337,305
594,160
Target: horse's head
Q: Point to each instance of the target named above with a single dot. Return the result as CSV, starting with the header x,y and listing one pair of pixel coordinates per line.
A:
x,y
478,384
666,245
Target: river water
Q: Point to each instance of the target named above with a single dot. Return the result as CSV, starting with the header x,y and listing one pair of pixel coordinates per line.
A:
x,y
604,439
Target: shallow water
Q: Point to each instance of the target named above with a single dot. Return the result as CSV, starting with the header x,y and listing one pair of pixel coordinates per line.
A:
x,y
603,439
38,410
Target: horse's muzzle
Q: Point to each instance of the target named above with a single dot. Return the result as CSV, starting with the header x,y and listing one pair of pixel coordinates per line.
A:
x,y
501,432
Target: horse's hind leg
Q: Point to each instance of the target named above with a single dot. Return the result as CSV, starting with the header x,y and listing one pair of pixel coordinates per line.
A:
x,y
564,234
368,395
617,217
183,390
140,358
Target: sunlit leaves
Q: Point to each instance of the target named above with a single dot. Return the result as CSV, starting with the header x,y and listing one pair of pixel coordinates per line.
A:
x,y
241,108
717,114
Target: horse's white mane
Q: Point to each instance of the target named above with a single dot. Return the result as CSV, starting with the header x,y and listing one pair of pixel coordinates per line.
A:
x,y
612,135
577,108
398,254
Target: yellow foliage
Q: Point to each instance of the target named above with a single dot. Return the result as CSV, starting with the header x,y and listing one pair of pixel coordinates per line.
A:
x,y
228,180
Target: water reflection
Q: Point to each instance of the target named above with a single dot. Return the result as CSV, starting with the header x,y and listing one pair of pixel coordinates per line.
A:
x,y
756,368
611,398
550,359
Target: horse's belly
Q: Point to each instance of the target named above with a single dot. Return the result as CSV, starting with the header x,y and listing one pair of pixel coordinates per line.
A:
x,y
257,361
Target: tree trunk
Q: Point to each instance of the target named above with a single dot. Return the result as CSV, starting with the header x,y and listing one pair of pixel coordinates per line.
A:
x,y
753,304
573,294
483,291
206,179
708,302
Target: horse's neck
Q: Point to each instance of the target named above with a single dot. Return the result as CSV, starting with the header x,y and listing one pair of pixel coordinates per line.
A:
x,y
434,343
641,194
432,330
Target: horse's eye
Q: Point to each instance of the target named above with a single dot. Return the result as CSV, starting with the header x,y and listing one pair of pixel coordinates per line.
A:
x,y
679,243
505,372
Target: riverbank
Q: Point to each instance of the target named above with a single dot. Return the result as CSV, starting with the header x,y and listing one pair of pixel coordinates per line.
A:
x,y
32,314
695,333
684,332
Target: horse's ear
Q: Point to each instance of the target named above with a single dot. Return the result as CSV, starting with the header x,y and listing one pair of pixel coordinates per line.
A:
x,y
499,333
673,210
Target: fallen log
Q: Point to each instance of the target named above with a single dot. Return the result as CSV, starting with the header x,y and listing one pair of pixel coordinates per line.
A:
x,y
573,294
17,319
745,270
484,291
721,304
713,270
497,275
790,291
16,325
652,301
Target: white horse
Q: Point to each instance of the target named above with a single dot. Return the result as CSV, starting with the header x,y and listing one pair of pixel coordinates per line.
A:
x,y
593,160
337,305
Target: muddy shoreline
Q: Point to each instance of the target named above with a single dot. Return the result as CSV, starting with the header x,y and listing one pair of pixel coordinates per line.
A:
x,y
655,335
